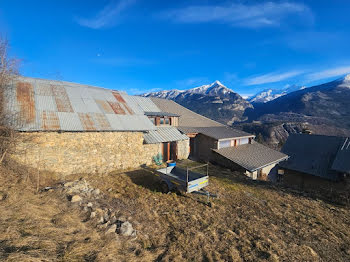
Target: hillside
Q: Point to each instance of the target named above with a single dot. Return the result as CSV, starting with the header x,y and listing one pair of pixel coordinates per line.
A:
x,y
215,101
326,104
249,221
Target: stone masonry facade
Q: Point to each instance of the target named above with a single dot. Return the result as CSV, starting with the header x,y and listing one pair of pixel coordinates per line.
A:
x,y
183,149
84,152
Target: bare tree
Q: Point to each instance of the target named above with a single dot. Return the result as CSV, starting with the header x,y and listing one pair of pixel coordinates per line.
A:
x,y
8,70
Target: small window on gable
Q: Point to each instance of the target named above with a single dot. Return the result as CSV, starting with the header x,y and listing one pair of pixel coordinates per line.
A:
x,y
162,121
167,122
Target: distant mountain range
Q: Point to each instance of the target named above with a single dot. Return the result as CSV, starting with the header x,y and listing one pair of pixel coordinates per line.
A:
x,y
322,109
325,109
327,103
215,101
268,95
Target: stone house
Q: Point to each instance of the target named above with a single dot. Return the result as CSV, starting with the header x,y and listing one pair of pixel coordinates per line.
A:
x,y
73,128
223,145
316,161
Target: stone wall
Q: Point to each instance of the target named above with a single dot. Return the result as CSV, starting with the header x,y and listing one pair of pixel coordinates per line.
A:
x,y
84,152
183,149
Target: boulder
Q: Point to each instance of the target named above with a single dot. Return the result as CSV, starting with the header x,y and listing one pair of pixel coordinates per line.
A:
x,y
76,198
126,229
96,191
68,184
92,214
111,229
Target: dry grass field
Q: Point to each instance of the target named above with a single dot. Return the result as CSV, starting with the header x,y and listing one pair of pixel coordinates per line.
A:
x,y
248,221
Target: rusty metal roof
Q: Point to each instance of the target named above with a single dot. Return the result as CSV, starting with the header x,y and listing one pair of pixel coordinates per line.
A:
x,y
45,105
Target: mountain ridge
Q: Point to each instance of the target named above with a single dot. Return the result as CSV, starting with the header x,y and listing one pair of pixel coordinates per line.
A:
x,y
215,101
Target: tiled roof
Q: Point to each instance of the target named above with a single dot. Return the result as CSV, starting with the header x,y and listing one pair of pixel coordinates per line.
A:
x,y
164,134
341,162
251,156
187,118
46,105
312,154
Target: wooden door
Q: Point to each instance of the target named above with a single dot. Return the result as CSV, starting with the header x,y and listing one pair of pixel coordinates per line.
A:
x,y
173,151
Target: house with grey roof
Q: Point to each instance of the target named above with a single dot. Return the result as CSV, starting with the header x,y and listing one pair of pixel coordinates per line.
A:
x,y
218,143
315,159
69,128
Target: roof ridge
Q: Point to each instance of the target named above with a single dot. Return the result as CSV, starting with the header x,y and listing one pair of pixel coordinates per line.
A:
x,y
69,83
188,110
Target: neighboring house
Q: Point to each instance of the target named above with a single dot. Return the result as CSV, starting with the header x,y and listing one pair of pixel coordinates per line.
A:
x,y
316,160
218,143
72,128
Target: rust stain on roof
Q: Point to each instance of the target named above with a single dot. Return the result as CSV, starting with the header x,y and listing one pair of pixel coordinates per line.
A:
x,y
121,100
25,99
118,110
87,121
102,121
43,90
50,121
62,99
104,106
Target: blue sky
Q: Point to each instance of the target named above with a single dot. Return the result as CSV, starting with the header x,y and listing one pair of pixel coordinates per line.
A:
x,y
147,45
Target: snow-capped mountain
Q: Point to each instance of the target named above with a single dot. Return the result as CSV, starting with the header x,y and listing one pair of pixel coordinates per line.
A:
x,y
214,89
215,101
271,94
322,104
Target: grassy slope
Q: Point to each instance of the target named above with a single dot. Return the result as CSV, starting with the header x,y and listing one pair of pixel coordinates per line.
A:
x,y
248,222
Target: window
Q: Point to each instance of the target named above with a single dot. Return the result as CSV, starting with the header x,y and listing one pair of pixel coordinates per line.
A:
x,y
167,122
226,143
162,120
153,120
244,141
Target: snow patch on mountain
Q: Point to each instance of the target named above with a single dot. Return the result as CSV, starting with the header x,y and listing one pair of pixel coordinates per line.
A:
x,y
271,94
214,89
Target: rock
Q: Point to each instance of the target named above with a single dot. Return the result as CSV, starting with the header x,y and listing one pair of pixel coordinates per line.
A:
x,y
113,220
89,204
92,214
69,184
96,191
126,229
109,189
3,195
76,198
101,220
105,217
111,229
313,252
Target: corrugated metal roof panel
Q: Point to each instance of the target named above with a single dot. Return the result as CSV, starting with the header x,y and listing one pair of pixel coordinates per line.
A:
x,y
46,105
69,121
164,134
145,103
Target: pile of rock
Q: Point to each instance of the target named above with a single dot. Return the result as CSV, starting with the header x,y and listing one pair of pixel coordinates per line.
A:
x,y
93,203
